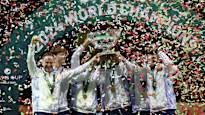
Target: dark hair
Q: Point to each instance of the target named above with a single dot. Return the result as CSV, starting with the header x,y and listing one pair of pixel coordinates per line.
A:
x,y
152,52
58,49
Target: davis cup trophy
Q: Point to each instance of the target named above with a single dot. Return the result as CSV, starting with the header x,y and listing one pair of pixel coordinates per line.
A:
x,y
105,41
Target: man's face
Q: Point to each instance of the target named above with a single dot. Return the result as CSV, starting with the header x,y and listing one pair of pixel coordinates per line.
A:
x,y
61,57
47,63
153,60
86,58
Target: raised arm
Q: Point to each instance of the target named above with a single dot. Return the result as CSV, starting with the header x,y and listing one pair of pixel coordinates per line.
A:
x,y
80,69
172,69
31,63
75,59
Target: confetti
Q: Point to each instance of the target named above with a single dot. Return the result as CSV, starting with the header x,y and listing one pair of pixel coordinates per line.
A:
x,y
176,26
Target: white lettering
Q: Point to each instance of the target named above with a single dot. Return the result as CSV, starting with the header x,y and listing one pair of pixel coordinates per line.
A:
x,y
111,9
83,14
92,10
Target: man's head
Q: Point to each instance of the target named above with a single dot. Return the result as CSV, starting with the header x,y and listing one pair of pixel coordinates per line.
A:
x,y
47,62
86,58
152,59
60,54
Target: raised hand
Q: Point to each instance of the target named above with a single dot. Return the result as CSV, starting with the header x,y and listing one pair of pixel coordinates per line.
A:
x,y
35,39
86,42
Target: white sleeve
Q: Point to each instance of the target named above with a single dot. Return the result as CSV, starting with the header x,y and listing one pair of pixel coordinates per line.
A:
x,y
75,59
31,63
174,72
69,74
166,60
172,69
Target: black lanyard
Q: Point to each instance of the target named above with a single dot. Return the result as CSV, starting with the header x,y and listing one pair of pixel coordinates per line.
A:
x,y
154,80
85,85
112,81
112,78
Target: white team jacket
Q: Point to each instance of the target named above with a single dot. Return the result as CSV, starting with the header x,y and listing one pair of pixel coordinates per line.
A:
x,y
42,99
78,102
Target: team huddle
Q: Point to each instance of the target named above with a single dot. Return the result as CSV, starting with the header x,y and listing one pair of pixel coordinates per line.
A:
x,y
101,83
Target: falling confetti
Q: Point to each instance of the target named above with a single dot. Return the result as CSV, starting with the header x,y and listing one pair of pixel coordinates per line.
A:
x,y
176,26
